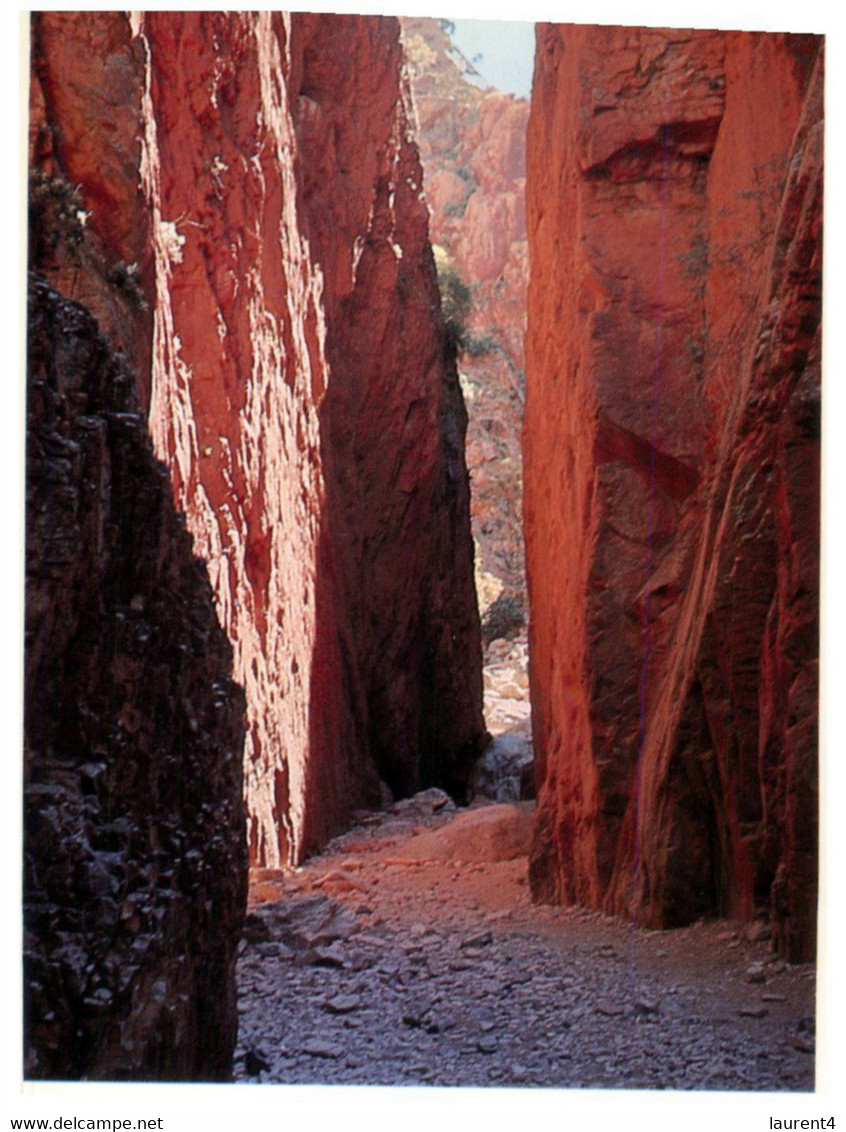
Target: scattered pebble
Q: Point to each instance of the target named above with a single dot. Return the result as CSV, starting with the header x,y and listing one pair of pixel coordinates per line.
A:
x,y
481,939
646,1006
757,931
320,1048
343,1003
609,1010
255,1062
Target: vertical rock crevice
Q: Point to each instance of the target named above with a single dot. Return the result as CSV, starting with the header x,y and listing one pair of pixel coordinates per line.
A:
x,y
472,140
313,457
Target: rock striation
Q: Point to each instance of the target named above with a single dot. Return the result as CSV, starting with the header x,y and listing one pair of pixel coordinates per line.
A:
x,y
301,388
672,472
135,846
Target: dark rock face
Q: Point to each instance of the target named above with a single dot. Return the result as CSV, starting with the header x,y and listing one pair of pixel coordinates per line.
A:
x,y
672,472
135,848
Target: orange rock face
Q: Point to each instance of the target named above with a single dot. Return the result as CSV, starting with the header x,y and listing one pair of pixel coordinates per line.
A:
x,y
301,391
672,459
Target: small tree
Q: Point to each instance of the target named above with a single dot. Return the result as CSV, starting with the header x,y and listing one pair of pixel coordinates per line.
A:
x,y
503,618
456,298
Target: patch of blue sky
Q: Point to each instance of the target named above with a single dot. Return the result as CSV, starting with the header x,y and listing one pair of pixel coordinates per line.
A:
x,y
502,51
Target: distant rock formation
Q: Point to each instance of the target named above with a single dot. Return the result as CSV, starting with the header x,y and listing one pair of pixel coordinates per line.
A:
x,y
472,142
135,840
301,388
672,472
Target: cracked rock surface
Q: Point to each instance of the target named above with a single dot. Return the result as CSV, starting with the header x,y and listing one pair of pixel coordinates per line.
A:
x,y
378,963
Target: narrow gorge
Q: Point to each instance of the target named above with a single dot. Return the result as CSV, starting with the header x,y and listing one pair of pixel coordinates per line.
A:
x,y
269,632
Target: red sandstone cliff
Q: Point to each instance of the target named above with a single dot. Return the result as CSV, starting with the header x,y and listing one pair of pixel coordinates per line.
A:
x,y
301,389
473,148
672,462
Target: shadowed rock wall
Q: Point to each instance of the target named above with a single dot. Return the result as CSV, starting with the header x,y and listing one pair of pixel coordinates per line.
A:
x,y
672,472
392,422
135,849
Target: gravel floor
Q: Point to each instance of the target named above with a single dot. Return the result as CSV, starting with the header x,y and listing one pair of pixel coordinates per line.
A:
x,y
361,968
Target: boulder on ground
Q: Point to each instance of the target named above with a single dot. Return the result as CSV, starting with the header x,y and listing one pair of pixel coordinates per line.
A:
x,y
482,835
504,773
